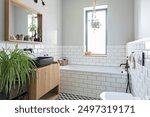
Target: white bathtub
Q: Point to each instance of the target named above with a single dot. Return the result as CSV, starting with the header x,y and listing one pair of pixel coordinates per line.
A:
x,y
94,69
92,80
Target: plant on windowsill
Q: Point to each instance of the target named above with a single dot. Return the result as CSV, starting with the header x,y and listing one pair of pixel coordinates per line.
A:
x,y
16,69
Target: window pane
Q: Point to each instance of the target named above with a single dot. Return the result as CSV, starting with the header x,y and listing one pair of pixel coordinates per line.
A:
x,y
96,38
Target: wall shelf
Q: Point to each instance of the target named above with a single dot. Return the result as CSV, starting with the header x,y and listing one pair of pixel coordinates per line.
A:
x,y
21,41
51,95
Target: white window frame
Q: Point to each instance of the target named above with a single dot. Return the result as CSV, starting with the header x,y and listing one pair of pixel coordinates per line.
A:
x,y
98,8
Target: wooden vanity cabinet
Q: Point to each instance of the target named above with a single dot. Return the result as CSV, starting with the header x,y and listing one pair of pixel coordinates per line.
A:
x,y
46,83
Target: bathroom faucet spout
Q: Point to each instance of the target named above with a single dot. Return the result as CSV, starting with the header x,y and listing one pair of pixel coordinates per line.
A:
x,y
122,64
30,49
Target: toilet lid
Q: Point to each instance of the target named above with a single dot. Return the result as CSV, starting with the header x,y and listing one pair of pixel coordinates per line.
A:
x,y
116,96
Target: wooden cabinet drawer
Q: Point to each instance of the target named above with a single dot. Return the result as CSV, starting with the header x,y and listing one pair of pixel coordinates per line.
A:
x,y
47,78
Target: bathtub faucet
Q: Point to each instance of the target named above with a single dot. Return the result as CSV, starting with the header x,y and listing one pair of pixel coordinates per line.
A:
x,y
126,64
122,64
128,76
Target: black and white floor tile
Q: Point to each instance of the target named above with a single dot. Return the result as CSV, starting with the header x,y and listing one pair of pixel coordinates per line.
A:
x,y
66,96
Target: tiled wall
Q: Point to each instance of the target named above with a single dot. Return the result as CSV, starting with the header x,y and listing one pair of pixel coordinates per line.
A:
x,y
140,76
38,49
116,54
91,84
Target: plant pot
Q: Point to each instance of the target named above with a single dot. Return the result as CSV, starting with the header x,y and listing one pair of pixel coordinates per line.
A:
x,y
3,97
15,94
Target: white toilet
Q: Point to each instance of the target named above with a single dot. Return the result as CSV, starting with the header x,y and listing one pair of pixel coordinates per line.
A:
x,y
117,96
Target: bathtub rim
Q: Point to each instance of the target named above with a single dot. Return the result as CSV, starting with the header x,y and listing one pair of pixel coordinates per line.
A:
x,y
81,68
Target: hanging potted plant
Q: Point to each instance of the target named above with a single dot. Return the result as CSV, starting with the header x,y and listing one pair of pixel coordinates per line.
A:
x,y
16,69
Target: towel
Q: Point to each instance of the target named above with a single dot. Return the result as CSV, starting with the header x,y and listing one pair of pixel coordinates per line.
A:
x,y
132,61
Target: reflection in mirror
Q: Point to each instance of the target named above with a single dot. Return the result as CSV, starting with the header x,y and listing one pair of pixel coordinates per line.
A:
x,y
25,24
32,25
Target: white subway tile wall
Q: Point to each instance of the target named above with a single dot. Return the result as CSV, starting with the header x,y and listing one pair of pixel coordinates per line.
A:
x,y
91,84
140,76
116,54
38,49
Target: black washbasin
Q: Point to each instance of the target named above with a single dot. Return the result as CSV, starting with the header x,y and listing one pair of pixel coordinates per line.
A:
x,y
43,61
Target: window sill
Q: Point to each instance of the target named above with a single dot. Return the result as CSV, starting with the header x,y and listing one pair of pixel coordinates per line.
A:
x,y
95,55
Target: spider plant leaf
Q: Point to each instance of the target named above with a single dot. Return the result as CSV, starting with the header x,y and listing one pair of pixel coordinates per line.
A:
x,y
16,69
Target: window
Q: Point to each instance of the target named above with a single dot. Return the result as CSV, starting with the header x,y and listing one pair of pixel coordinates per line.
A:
x,y
95,39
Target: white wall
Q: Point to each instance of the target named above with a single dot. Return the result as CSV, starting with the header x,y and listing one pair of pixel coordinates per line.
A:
x,y
50,21
120,21
142,19
59,21
116,54
140,75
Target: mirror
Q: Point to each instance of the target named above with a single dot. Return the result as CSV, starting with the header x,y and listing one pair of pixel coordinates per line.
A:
x,y
23,24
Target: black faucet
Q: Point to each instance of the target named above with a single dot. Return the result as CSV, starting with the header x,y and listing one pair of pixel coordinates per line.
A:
x,y
29,49
128,76
122,64
126,64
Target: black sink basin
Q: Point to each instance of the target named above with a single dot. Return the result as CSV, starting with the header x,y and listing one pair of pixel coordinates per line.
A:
x,y
43,61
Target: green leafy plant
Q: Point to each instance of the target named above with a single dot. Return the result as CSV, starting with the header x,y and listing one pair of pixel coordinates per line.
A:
x,y
16,69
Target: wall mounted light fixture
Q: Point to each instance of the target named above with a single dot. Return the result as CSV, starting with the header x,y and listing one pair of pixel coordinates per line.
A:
x,y
43,3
